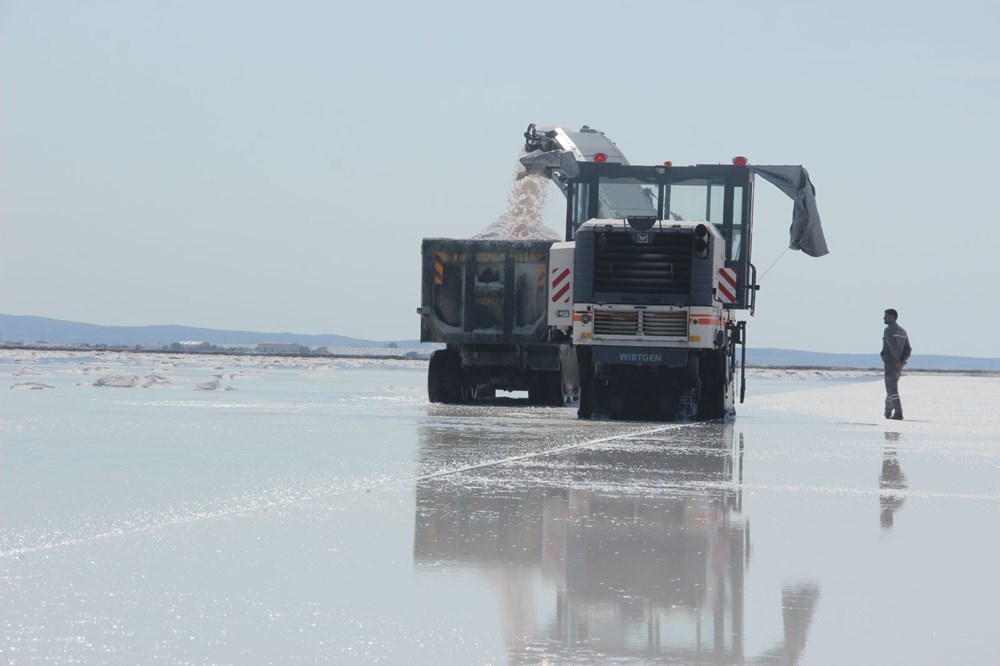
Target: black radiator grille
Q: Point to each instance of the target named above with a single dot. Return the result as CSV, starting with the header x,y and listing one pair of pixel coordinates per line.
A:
x,y
660,267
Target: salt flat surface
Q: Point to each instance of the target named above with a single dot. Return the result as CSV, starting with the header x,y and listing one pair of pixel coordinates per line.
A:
x,y
320,511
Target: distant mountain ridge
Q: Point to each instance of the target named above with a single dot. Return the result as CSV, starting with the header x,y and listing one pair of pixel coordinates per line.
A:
x,y
33,330
786,357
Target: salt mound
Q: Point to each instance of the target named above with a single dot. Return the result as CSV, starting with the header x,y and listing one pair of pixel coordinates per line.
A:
x,y
211,385
119,381
156,379
523,219
35,386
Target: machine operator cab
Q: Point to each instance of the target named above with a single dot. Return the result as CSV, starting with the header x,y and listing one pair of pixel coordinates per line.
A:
x,y
652,198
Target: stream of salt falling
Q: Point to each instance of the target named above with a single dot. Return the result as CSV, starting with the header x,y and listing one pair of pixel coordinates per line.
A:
x,y
525,204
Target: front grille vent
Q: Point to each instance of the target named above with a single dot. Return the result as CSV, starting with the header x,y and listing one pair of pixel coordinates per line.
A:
x,y
641,322
616,322
660,267
665,324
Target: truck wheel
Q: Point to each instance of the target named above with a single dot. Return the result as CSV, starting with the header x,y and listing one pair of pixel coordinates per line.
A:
x,y
443,377
536,389
545,388
436,375
557,396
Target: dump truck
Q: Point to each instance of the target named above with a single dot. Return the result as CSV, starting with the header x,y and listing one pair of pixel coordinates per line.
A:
x,y
486,300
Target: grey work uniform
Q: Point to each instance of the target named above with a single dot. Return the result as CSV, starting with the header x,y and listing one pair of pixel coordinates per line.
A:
x,y
895,351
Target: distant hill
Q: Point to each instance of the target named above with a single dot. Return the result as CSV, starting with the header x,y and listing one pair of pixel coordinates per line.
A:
x,y
34,330
786,357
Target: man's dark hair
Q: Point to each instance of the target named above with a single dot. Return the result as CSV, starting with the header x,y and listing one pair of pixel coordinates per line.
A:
x,y
892,312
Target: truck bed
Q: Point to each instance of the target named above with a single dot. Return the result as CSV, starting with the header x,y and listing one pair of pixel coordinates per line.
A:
x,y
483,291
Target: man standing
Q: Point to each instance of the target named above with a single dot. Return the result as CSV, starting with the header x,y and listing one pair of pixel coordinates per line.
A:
x,y
895,352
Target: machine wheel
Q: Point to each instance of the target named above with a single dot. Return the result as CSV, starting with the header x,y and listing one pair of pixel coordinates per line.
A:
x,y
585,408
712,378
687,405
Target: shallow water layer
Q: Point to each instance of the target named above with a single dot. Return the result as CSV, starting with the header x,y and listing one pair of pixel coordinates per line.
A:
x,y
324,512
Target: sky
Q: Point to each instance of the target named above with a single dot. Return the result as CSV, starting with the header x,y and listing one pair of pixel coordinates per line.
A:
x,y
273,166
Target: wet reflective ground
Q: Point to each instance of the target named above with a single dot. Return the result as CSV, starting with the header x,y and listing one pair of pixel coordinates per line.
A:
x,y
325,513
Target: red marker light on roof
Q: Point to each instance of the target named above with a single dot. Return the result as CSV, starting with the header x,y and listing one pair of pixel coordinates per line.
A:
x,y
739,160
600,157
668,163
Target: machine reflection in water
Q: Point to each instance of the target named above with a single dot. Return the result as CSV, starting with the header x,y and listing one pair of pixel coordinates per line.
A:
x,y
640,547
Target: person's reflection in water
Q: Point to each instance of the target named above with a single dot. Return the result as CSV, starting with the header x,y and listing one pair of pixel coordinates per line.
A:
x,y
798,605
891,482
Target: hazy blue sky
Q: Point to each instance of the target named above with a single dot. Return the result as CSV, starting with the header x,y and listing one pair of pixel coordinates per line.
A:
x,y
273,166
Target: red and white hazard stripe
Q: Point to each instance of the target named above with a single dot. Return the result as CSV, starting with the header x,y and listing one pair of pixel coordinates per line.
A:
x,y
560,285
726,288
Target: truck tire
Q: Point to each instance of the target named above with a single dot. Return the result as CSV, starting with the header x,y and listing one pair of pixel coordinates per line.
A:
x,y
545,389
435,377
444,377
536,389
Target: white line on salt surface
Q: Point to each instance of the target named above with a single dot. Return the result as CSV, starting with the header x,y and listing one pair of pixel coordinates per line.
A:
x,y
273,504
546,452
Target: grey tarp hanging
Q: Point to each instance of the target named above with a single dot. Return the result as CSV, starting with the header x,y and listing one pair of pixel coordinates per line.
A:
x,y
806,232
